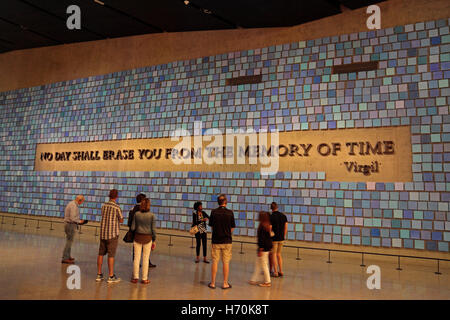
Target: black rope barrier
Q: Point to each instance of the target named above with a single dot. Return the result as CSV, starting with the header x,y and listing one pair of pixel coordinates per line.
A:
x,y
123,228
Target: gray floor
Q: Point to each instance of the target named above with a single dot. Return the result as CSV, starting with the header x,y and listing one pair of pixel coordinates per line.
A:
x,y
30,268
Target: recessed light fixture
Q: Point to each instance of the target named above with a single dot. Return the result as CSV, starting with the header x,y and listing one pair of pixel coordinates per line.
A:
x,y
99,2
186,2
207,11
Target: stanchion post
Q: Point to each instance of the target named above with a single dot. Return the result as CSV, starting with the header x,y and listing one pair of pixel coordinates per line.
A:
x,y
96,230
241,252
37,227
329,256
51,225
399,268
438,272
362,260
192,242
170,241
26,221
14,221
298,256
3,218
80,232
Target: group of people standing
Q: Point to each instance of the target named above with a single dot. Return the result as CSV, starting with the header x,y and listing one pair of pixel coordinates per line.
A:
x,y
272,230
142,228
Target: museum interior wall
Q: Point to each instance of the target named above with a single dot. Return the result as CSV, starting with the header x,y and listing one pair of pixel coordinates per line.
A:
x,y
373,105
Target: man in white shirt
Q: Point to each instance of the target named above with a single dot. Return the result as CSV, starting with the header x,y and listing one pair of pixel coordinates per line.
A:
x,y
71,221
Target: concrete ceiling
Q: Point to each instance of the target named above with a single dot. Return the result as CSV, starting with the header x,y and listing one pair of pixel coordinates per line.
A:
x,y
37,23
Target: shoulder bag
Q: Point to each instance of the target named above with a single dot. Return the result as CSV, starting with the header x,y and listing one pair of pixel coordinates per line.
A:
x,y
193,230
129,237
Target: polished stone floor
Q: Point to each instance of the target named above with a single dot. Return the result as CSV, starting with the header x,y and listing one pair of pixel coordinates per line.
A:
x,y
30,268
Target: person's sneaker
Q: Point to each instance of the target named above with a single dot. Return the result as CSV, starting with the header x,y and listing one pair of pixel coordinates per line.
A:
x,y
113,279
265,284
99,277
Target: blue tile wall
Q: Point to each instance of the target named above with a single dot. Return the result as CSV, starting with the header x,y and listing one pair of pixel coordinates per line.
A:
x,y
298,92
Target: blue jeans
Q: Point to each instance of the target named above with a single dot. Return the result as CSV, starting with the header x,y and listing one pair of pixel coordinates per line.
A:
x,y
69,229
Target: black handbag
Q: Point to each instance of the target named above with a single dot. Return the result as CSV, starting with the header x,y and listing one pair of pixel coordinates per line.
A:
x,y
129,237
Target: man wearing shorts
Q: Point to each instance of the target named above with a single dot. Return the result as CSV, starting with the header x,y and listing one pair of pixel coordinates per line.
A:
x,y
279,228
222,223
109,235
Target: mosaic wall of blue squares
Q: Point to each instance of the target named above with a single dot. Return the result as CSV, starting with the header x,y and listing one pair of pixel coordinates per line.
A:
x,y
298,92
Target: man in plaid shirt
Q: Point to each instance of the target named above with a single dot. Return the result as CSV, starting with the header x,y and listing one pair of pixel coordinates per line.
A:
x,y
109,235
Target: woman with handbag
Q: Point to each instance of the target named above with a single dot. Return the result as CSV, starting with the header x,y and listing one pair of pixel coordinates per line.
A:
x,y
199,218
143,225
129,236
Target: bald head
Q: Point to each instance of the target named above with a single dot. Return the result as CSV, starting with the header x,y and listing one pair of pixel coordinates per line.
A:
x,y
79,199
222,200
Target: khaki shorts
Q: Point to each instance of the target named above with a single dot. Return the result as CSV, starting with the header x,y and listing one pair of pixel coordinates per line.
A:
x,y
108,246
277,246
221,252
